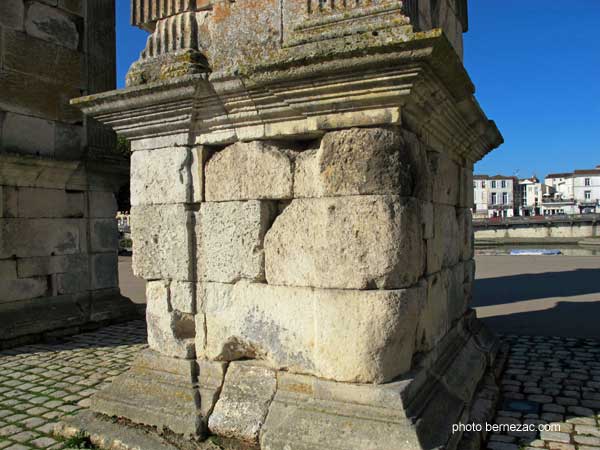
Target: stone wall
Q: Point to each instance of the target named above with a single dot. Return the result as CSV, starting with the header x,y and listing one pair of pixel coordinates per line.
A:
x,y
58,170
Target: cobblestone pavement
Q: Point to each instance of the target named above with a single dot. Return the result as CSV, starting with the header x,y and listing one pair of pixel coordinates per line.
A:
x,y
550,381
41,383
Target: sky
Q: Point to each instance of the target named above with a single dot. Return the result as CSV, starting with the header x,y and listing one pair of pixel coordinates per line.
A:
x,y
536,68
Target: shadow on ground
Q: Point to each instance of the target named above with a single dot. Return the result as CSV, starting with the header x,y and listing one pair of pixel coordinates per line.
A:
x,y
515,288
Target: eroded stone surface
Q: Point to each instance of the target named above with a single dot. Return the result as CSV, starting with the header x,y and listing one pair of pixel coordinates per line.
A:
x,y
161,242
300,329
358,242
249,171
244,401
363,161
231,239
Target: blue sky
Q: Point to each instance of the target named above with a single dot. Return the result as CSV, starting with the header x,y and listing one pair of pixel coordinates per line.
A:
x,y
536,67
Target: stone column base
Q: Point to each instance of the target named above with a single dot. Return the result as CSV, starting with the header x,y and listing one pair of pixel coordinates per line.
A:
x,y
250,405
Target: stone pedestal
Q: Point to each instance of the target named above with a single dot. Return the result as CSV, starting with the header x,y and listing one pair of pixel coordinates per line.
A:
x,y
301,182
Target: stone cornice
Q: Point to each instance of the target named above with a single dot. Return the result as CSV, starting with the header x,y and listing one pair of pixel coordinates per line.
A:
x,y
302,93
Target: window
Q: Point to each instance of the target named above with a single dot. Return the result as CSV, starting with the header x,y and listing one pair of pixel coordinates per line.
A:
x,y
483,184
504,198
588,195
493,184
503,183
494,197
587,182
474,184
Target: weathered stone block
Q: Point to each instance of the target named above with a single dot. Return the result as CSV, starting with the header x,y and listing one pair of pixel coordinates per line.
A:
x,y
161,176
457,303
357,242
169,332
466,188
41,237
162,245
469,280
158,391
68,141
42,59
8,269
72,282
52,25
104,235
153,143
249,171
445,174
28,135
433,317
48,265
10,201
465,228
38,203
443,250
29,95
12,13
72,6
231,236
298,329
244,401
102,204
363,161
22,288
210,381
105,270
183,296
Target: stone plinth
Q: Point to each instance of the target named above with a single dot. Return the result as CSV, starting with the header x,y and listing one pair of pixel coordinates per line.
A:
x,y
58,171
302,218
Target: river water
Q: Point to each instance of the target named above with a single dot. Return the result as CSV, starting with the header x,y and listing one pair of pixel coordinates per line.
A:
x,y
566,250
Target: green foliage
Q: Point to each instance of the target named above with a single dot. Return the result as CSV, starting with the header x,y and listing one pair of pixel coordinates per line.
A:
x,y
79,441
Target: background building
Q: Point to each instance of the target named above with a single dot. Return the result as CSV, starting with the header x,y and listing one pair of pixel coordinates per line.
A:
x,y
576,192
495,196
531,195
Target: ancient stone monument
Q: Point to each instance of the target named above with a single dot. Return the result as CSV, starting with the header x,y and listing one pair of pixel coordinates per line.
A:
x,y
58,170
301,183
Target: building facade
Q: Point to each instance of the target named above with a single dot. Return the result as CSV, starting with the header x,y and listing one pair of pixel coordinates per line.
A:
x,y
531,195
495,196
575,192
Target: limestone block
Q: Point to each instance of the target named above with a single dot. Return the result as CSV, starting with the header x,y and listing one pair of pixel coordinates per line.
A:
x,y
467,199
102,204
356,242
170,333
105,270
22,288
465,226
364,161
158,391
244,401
104,235
249,171
210,381
68,141
161,242
469,280
443,250
12,13
161,176
72,282
28,134
48,265
446,178
10,202
231,235
200,155
8,269
38,203
433,319
52,25
427,220
153,143
299,329
33,96
183,296
307,411
41,237
72,6
457,303
39,58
